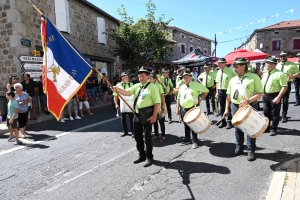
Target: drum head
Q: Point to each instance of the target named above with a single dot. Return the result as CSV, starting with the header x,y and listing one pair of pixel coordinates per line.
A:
x,y
192,114
241,115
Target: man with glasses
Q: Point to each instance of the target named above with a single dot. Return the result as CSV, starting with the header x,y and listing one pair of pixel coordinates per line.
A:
x,y
297,82
291,71
249,84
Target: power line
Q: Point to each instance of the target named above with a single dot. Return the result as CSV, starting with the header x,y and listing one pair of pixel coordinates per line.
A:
x,y
233,39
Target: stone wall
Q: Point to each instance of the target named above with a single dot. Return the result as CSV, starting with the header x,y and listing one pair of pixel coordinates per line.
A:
x,y
18,19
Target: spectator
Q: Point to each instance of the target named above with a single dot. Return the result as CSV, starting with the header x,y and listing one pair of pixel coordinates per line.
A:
x,y
29,87
133,80
12,116
195,74
42,96
96,86
117,79
23,99
83,99
90,83
104,87
11,81
72,105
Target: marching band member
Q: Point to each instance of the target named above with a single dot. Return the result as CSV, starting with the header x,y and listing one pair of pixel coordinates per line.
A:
x,y
248,83
124,85
223,77
146,105
179,77
297,82
274,86
188,97
207,78
292,71
169,88
161,120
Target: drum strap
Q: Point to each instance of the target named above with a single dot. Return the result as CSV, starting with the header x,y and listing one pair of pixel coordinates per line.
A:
x,y
138,94
266,82
282,66
189,95
221,78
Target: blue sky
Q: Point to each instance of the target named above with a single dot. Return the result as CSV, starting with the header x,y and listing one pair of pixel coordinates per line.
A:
x,y
207,17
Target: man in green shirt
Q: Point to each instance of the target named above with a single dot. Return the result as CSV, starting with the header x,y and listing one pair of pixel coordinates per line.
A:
x,y
153,79
274,85
188,98
291,71
169,88
297,82
243,89
147,97
224,75
207,78
124,85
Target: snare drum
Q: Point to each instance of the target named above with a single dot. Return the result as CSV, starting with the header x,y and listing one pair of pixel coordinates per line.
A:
x,y
250,121
123,107
197,120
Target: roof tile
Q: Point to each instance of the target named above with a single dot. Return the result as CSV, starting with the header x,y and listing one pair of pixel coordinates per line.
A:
x,y
284,24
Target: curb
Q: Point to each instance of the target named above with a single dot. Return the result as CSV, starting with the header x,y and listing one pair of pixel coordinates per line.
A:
x,y
277,183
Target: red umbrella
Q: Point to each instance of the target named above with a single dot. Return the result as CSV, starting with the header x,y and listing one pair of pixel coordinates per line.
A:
x,y
294,59
249,55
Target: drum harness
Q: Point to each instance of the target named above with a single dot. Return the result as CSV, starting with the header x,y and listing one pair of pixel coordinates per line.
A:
x,y
188,94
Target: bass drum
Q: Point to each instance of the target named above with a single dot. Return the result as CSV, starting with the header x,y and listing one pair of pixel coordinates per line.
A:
x,y
197,120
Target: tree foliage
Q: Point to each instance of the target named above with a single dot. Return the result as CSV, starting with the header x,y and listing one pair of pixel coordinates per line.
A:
x,y
141,42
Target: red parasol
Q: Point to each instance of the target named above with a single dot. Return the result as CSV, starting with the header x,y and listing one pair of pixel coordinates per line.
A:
x,y
249,55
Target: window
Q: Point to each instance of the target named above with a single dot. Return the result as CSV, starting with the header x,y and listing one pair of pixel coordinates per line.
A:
x,y
191,49
205,51
191,39
62,15
205,43
101,31
182,35
276,45
296,44
276,32
182,48
198,40
297,30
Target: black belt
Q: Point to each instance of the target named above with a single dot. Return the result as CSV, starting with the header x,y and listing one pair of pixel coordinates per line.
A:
x,y
187,109
272,94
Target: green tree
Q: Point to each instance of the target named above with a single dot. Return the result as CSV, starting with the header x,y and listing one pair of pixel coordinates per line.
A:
x,y
141,42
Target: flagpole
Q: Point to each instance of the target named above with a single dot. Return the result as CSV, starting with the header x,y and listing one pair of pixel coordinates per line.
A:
x,y
120,96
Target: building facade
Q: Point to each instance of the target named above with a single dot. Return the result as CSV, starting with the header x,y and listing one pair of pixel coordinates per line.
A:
x,y
84,24
276,38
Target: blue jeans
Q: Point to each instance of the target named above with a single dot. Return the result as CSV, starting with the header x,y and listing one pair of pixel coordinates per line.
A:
x,y
239,135
90,92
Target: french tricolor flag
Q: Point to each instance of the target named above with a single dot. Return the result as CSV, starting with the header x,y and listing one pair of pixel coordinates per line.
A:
x,y
65,68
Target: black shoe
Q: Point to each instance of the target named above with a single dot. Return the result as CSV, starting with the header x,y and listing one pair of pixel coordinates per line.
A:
x,y
124,134
267,130
208,113
284,119
139,160
250,156
273,132
170,121
238,152
297,104
148,162
132,135
185,142
47,113
222,125
229,126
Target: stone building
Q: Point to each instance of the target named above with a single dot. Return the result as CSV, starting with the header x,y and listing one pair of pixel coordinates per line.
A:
x,y
186,42
275,38
84,24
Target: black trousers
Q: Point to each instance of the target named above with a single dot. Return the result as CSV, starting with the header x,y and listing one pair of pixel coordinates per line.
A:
x,y
168,104
124,122
141,133
285,100
271,110
297,85
162,127
222,98
211,94
187,129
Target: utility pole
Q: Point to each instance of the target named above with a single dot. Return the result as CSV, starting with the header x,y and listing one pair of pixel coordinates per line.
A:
x,y
215,45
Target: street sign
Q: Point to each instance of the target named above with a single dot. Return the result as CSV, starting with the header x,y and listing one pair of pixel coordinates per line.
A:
x,y
32,66
31,59
34,74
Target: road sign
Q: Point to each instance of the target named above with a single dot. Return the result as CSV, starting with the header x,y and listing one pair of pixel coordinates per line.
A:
x,y
32,66
31,59
34,74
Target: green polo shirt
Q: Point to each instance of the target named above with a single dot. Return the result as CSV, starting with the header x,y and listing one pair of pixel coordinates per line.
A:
x,y
289,69
160,89
275,81
124,86
168,83
250,68
250,83
207,79
298,65
178,81
148,97
215,73
195,89
228,73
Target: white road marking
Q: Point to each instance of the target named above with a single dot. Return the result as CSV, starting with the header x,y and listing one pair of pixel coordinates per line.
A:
x,y
88,171
57,136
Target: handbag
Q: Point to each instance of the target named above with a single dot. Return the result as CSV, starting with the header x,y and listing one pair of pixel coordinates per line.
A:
x,y
145,113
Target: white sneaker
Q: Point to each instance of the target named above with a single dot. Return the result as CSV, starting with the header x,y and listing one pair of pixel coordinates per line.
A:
x,y
62,120
71,118
66,119
77,117
195,145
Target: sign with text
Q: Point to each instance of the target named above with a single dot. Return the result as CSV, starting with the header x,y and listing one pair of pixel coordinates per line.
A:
x,y
32,66
25,42
34,74
31,59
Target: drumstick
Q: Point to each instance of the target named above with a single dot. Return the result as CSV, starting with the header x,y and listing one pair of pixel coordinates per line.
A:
x,y
219,121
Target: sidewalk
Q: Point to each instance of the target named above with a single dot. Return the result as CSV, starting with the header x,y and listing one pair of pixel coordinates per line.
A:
x,y
285,184
44,118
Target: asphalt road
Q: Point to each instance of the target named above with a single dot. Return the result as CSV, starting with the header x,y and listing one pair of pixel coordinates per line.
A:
x,y
87,159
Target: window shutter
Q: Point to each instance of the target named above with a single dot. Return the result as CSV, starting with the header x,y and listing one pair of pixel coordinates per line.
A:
x,y
296,43
273,45
62,15
101,31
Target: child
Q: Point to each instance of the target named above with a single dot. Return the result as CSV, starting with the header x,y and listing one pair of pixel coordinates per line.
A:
x,y
12,116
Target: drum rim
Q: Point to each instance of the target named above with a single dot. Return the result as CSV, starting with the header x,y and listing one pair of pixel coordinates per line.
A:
x,y
199,114
236,122
204,130
262,130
